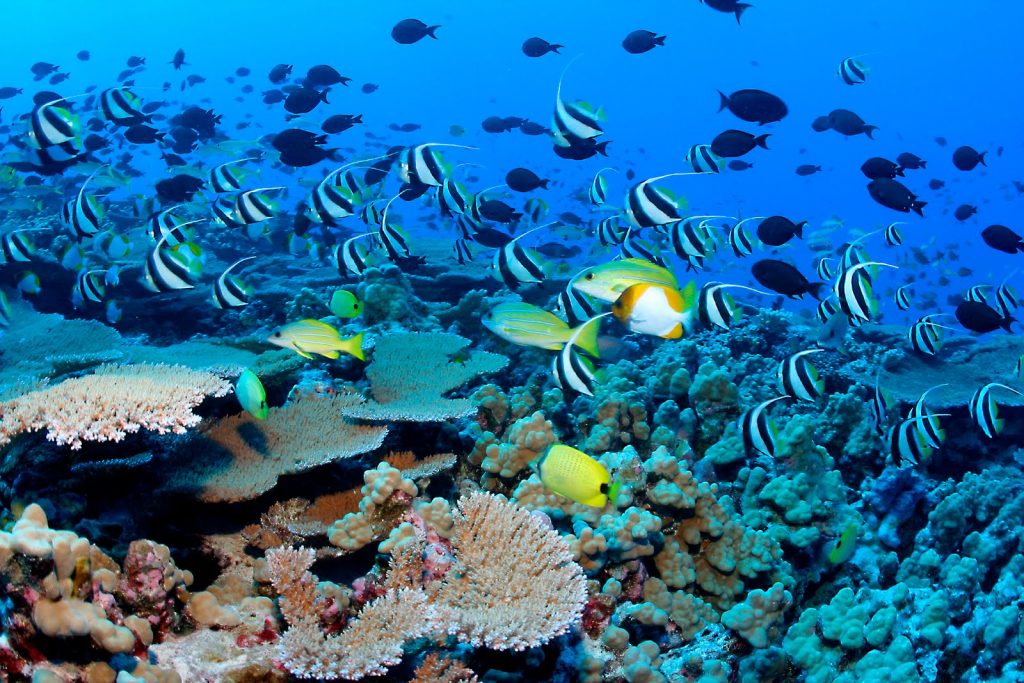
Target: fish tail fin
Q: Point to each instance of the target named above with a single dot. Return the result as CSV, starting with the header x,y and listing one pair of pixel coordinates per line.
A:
x,y
899,172
723,101
602,148
981,158
762,141
814,289
918,206
586,336
799,229
431,29
354,346
544,183
924,164
555,48
1007,322
660,40
613,492
870,131
741,7
323,95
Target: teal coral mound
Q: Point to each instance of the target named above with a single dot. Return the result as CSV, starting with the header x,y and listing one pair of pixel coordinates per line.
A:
x,y
411,372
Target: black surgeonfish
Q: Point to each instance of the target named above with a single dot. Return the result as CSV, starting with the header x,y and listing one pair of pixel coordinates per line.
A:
x,y
728,7
784,278
894,195
966,158
538,47
981,318
754,106
1003,239
847,123
409,31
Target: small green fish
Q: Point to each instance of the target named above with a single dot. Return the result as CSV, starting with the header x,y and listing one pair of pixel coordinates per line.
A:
x,y
251,394
345,304
310,336
28,283
845,546
5,310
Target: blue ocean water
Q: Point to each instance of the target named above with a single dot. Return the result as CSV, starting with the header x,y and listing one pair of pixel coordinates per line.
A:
x,y
941,75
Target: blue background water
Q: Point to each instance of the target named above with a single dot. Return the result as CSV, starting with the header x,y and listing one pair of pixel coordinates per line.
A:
x,y
937,69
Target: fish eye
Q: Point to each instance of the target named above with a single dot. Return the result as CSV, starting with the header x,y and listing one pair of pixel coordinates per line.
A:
x,y
277,334
590,276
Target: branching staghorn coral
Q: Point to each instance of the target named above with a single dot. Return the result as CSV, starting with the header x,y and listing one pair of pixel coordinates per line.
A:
x,y
114,401
513,585
411,372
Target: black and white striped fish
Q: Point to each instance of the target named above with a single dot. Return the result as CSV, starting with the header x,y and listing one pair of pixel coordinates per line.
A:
x,y
1006,299
611,232
740,239
702,160
350,256
692,237
824,268
647,206
462,251
758,430
928,423
573,122
892,234
514,265
422,165
90,286
907,443
229,291
453,198
167,269
224,178
371,214
252,207
854,253
634,247
827,308
225,212
977,294
715,308
904,297
122,107
53,125
328,203
17,246
852,71
391,235
83,213
799,379
985,412
571,371
165,224
854,292
599,189
881,403
575,306
925,336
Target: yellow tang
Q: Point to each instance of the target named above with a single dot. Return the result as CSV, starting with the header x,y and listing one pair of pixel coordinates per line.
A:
x,y
345,304
252,396
575,475
528,325
310,336
608,281
847,543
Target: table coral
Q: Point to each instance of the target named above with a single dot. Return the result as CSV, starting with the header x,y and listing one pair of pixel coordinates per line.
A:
x,y
114,401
